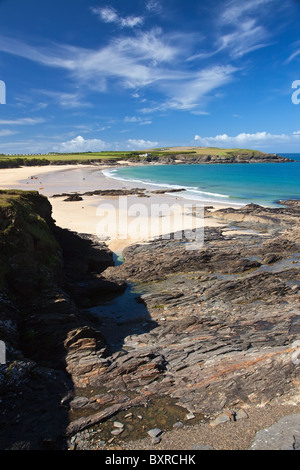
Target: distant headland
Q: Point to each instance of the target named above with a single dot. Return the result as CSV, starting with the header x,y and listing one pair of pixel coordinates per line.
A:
x,y
168,155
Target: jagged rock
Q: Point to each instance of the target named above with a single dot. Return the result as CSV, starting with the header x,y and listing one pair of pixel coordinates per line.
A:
x,y
73,197
229,313
283,435
43,329
102,192
83,423
222,418
155,432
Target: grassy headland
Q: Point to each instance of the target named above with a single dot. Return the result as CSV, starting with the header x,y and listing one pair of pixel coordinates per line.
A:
x,y
15,161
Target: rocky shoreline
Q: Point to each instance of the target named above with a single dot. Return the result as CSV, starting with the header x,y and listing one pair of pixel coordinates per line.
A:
x,y
213,339
236,157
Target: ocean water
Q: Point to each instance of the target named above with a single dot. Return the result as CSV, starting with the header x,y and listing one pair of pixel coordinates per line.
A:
x,y
234,184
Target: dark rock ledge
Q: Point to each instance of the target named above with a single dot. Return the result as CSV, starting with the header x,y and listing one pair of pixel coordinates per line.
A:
x,y
221,331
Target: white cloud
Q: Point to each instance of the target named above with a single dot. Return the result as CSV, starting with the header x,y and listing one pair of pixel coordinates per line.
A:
x,y
246,38
153,6
239,28
134,62
110,15
107,14
235,10
6,132
295,53
246,20
138,120
79,144
147,59
200,113
132,21
196,88
244,139
140,144
66,100
190,91
21,121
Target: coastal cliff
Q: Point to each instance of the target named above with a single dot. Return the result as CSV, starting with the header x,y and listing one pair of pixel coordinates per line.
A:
x,y
194,158
45,274
218,333
165,158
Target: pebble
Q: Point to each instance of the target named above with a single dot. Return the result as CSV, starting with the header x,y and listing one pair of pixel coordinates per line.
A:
x,y
241,414
222,418
118,425
155,440
116,432
154,432
178,425
190,416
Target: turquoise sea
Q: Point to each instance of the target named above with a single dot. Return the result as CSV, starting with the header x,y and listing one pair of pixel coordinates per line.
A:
x,y
240,184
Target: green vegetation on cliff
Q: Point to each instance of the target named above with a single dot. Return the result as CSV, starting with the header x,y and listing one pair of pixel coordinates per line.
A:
x,y
27,245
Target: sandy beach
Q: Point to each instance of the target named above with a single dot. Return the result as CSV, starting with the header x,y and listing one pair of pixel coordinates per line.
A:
x,y
120,221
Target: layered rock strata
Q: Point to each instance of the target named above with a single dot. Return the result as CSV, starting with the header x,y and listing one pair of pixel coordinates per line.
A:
x,y
219,326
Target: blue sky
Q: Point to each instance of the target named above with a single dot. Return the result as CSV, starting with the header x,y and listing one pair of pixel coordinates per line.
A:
x,y
97,75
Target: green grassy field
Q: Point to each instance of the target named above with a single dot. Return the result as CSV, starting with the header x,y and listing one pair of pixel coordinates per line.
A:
x,y
8,161
71,156
206,151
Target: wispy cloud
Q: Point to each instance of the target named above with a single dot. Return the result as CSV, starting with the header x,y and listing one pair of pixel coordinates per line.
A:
x,y
6,132
137,120
247,37
54,55
109,14
21,121
197,87
296,53
147,59
239,28
154,60
66,100
140,144
235,10
153,6
242,140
